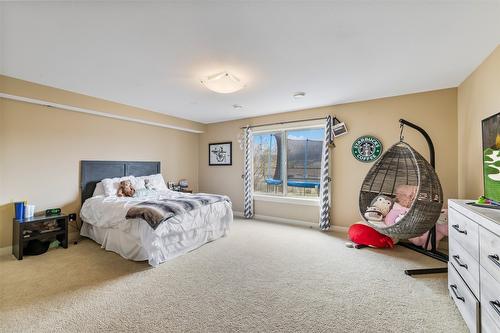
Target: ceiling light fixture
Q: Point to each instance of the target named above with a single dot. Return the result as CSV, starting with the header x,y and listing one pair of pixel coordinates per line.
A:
x,y
223,83
237,106
299,95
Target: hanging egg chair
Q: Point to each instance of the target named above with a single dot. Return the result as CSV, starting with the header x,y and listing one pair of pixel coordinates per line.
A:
x,y
403,165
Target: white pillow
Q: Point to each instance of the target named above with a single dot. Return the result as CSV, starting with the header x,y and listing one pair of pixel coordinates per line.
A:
x,y
111,185
99,189
156,181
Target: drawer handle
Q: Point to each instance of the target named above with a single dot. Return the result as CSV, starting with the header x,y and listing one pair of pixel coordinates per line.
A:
x,y
454,289
496,306
495,259
460,263
457,228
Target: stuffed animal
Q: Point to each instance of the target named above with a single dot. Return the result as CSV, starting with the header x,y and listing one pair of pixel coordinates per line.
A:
x,y
148,185
125,189
365,235
379,208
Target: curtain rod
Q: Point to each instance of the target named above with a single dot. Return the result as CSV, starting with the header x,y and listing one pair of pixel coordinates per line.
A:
x,y
286,122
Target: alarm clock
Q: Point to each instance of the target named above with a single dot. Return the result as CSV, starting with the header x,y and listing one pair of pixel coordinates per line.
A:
x,y
53,211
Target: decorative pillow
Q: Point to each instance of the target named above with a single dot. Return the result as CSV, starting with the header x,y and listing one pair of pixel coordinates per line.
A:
x,y
396,211
143,192
365,235
154,182
111,185
99,190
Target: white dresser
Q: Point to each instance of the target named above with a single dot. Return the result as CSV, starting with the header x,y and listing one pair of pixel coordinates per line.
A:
x,y
474,265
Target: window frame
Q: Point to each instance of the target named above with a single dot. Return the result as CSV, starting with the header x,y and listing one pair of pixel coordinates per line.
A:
x,y
283,197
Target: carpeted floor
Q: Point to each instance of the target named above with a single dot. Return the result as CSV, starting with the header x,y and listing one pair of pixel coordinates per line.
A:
x,y
263,277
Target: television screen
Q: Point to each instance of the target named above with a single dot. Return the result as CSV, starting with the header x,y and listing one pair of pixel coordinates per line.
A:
x,y
491,157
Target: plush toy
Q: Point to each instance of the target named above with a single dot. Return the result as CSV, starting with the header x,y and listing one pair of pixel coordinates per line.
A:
x,y
366,235
148,185
379,208
125,189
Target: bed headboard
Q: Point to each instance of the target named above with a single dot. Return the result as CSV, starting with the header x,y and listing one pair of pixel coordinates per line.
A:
x,y
93,172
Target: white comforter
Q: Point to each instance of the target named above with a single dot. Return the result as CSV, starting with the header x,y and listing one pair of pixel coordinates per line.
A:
x,y
173,237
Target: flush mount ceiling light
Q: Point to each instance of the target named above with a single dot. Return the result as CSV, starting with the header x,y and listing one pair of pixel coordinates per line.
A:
x,y
223,83
299,95
237,106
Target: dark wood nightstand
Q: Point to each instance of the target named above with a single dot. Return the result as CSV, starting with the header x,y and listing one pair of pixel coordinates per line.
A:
x,y
20,237
182,190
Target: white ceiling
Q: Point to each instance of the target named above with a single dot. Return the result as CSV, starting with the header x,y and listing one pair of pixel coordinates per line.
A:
x,y
152,55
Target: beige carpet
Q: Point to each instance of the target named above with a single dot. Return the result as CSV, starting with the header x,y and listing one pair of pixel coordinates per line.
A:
x,y
263,277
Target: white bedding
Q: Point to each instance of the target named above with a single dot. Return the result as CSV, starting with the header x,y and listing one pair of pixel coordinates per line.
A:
x,y
105,222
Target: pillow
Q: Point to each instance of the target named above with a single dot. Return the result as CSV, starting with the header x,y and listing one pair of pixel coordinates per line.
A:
x,y
99,190
143,192
156,182
111,185
365,235
396,210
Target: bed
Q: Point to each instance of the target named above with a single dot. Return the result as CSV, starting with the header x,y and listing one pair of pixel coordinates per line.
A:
x,y
104,218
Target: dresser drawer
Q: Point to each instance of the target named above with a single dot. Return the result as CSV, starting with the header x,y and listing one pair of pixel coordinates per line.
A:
x,y
465,232
465,265
490,252
490,296
488,325
464,299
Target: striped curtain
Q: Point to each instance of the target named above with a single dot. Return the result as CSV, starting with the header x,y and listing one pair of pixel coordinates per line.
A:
x,y
324,196
248,174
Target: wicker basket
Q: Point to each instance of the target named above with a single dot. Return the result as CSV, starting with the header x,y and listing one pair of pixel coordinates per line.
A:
x,y
402,165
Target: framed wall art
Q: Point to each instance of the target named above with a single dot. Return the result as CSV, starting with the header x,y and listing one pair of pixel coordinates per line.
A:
x,y
220,153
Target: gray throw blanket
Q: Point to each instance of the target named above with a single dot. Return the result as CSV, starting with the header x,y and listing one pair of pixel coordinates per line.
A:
x,y
154,212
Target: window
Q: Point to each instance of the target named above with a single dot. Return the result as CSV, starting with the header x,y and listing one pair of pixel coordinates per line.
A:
x,y
294,155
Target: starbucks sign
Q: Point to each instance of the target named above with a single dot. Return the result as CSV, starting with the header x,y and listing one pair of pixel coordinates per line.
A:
x,y
367,148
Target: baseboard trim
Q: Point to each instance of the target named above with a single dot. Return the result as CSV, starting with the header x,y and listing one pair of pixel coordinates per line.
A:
x,y
5,250
286,221
237,214
333,228
338,228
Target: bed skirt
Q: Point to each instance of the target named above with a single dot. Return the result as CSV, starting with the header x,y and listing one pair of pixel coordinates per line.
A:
x,y
140,242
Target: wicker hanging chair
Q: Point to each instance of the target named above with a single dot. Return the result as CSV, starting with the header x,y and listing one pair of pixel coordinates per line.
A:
x,y
402,165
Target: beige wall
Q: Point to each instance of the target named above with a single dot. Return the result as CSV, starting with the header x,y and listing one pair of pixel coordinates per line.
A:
x,y
478,98
41,147
435,111
28,132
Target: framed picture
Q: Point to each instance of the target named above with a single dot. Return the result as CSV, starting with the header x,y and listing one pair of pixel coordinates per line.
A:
x,y
491,157
220,153
339,129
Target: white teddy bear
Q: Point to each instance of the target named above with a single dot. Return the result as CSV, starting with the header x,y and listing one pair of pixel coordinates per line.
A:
x,y
379,208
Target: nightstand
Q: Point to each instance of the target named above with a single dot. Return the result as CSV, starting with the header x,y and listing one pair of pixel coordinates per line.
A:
x,y
177,188
20,237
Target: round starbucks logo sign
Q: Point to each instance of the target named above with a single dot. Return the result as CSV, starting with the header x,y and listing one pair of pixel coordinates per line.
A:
x,y
367,148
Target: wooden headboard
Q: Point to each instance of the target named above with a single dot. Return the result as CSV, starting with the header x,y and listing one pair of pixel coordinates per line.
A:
x,y
92,172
